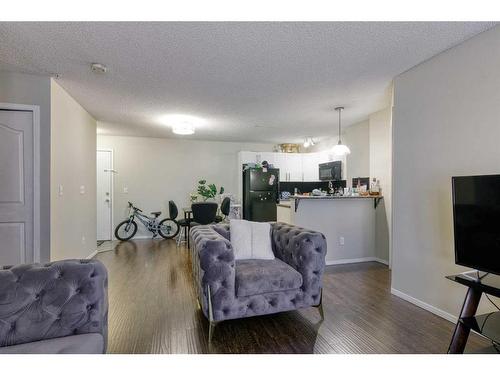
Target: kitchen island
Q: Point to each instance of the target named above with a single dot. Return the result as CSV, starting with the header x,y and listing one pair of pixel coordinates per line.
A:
x,y
348,223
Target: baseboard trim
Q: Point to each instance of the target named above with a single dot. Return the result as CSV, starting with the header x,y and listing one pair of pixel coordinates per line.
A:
x,y
355,260
425,306
93,254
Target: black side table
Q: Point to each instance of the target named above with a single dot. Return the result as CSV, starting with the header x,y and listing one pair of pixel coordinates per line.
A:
x,y
487,325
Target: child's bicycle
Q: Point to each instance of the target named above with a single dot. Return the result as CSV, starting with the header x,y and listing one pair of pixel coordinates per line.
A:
x,y
167,228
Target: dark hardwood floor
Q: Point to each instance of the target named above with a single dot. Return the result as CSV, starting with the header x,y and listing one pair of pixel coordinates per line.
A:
x,y
153,309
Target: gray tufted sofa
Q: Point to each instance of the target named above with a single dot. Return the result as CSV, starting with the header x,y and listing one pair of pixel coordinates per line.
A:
x,y
58,307
230,289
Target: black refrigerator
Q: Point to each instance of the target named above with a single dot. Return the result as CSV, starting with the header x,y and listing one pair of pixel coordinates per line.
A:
x,y
260,194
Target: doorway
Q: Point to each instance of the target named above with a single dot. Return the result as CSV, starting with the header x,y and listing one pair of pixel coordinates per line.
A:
x,y
19,184
104,195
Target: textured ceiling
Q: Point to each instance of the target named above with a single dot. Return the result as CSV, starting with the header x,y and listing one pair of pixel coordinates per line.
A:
x,y
266,82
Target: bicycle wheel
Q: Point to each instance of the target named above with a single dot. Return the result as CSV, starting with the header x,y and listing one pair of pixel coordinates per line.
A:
x,y
168,228
126,230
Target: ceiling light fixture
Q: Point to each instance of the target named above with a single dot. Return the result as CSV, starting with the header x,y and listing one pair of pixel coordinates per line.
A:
x,y
183,129
308,142
182,124
98,68
340,149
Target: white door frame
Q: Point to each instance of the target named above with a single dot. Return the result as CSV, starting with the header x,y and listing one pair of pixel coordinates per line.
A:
x,y
35,109
112,188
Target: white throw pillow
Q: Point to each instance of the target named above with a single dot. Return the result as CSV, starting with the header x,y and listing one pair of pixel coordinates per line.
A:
x,y
261,241
251,240
241,238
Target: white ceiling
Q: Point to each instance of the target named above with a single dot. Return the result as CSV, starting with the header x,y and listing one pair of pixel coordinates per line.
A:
x,y
264,82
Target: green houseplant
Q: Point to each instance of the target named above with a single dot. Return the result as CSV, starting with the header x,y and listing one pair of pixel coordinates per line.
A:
x,y
208,191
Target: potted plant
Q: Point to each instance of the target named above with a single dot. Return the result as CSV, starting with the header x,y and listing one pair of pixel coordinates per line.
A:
x,y
208,191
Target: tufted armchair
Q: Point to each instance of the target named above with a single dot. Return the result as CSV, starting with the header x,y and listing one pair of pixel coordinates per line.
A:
x,y
230,289
58,307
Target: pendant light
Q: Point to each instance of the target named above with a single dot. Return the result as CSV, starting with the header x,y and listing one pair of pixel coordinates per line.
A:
x,y
340,149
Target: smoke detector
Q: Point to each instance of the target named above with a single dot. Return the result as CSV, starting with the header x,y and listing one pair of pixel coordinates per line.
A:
x,y
98,68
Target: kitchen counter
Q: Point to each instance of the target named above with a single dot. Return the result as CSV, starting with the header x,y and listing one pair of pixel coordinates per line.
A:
x,y
348,224
297,198
284,203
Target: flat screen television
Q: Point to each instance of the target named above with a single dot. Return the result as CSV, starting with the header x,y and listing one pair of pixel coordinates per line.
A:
x,y
476,222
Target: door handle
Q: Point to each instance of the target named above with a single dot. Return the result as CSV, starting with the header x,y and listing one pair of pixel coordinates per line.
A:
x,y
106,200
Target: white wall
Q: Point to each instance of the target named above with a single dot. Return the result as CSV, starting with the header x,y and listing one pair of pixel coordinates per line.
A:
x,y
35,90
381,169
73,165
157,170
357,138
370,143
446,122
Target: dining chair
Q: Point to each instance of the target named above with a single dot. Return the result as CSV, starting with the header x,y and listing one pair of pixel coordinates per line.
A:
x,y
203,213
173,212
225,208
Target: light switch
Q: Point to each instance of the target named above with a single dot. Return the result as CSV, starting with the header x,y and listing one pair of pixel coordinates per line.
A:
x,y
341,241
82,189
125,190
61,190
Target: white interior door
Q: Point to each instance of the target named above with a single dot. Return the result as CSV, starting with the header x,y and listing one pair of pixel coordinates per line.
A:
x,y
17,187
104,194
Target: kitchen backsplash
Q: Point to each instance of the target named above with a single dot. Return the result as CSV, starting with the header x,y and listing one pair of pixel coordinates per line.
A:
x,y
303,187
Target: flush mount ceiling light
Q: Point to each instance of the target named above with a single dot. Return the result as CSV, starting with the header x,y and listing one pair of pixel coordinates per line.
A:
x,y
340,149
183,129
182,124
98,68
308,142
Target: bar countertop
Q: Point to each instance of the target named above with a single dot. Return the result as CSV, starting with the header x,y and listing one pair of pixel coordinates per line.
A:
x,y
335,197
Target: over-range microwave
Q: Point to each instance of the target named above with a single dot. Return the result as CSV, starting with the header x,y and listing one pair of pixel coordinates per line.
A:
x,y
331,171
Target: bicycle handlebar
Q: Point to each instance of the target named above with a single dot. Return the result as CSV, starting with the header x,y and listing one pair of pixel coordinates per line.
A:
x,y
135,208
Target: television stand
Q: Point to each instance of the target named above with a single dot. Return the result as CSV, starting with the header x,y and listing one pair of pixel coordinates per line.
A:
x,y
487,325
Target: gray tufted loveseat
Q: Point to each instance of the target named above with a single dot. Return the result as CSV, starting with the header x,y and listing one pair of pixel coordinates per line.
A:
x,y
58,307
231,289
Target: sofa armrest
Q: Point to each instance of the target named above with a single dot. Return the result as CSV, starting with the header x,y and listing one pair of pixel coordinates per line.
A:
x,y
58,299
214,267
304,250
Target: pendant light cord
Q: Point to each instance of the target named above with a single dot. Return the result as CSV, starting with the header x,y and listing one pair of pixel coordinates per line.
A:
x,y
339,109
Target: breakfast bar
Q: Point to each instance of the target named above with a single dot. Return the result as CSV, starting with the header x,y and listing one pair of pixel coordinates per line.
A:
x,y
348,223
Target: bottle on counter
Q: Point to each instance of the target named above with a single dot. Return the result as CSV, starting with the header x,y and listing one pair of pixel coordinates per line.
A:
x,y
375,187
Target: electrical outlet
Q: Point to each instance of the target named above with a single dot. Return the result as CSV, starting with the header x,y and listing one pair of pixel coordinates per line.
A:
x,y
341,241
82,189
125,190
83,240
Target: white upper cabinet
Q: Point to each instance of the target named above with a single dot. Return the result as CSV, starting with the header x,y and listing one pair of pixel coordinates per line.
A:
x,y
310,167
293,167
281,162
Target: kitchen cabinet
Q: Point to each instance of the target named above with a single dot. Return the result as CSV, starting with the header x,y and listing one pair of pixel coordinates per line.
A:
x,y
293,167
310,169
290,166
